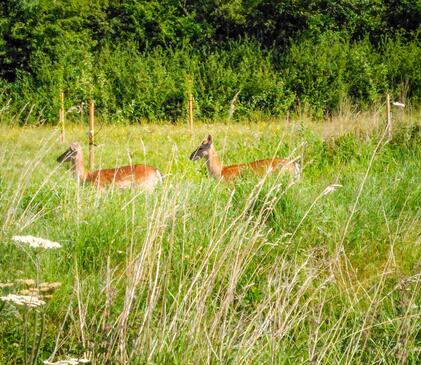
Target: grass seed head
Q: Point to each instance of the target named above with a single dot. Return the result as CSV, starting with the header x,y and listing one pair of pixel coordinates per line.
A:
x,y
331,189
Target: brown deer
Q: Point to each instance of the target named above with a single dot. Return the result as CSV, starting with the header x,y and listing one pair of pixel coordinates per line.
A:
x,y
260,167
143,176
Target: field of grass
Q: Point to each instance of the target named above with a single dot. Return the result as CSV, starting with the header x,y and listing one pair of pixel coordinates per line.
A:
x,y
265,271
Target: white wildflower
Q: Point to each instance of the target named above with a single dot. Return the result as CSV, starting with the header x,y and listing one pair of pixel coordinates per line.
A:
x,y
36,242
46,287
43,289
28,282
398,104
331,189
6,285
70,361
24,300
30,291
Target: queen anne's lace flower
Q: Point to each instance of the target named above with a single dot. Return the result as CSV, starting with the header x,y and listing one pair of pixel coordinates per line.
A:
x,y
30,291
46,287
30,301
42,289
36,242
70,361
27,282
6,285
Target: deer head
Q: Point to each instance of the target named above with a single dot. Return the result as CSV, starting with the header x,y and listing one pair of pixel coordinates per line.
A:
x,y
203,149
71,153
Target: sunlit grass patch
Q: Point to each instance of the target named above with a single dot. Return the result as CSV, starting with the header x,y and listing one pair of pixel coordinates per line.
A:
x,y
258,271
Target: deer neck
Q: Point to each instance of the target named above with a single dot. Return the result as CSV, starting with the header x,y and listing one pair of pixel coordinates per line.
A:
x,y
214,165
80,171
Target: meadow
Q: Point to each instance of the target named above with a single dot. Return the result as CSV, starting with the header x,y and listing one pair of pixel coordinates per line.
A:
x,y
325,270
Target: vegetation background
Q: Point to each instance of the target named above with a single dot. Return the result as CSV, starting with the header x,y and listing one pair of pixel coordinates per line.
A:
x,y
139,59
325,270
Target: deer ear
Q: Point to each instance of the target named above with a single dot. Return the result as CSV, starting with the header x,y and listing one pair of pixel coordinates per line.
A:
x,y
209,138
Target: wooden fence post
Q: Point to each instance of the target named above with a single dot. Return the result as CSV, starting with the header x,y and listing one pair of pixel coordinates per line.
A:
x,y
389,117
91,133
61,116
190,121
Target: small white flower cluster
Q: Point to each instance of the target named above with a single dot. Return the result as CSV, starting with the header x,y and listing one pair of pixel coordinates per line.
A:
x,y
6,285
30,297
36,242
24,300
398,104
27,282
43,289
46,287
70,361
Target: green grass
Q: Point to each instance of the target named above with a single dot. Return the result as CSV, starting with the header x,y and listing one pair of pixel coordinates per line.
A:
x,y
203,272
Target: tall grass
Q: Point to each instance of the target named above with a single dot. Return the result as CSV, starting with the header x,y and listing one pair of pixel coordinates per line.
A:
x,y
263,271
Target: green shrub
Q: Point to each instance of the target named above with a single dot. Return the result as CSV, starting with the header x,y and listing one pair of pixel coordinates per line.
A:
x,y
128,85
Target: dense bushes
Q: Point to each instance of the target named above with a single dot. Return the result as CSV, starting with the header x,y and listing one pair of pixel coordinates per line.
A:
x,y
140,59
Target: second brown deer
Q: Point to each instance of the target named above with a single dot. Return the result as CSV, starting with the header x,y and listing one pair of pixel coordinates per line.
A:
x,y
144,176
261,167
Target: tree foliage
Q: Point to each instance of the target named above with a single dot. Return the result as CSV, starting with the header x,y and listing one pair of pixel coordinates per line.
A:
x,y
134,56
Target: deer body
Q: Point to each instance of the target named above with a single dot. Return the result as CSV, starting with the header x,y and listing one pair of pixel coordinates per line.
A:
x,y
227,173
122,177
